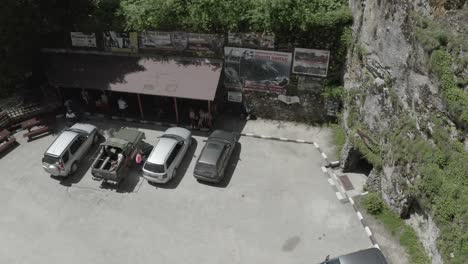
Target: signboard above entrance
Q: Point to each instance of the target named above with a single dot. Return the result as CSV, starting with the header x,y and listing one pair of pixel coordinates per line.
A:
x,y
120,41
252,40
181,41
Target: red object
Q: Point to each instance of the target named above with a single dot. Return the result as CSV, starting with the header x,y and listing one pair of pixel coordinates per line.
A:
x,y
138,158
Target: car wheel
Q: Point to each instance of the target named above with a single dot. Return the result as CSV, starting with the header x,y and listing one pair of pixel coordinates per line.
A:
x,y
174,173
96,138
74,167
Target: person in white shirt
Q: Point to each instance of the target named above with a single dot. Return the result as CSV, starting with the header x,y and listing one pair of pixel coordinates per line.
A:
x,y
71,117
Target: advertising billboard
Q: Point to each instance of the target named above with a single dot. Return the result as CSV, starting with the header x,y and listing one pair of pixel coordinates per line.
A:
x,y
155,40
210,43
181,41
251,40
120,41
80,39
311,62
256,70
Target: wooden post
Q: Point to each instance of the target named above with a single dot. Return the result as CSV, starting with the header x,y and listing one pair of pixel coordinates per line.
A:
x,y
209,107
141,107
176,110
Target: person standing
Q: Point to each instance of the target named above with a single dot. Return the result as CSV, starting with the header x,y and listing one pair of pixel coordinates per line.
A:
x,y
193,119
71,117
209,120
122,106
68,104
201,121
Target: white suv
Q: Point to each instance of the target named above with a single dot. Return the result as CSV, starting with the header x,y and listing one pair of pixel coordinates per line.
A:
x,y
64,154
166,156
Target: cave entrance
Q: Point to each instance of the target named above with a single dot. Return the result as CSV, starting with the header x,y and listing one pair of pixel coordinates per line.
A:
x,y
357,163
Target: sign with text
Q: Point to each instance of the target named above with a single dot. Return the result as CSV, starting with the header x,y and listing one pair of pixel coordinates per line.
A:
x,y
257,70
311,62
80,39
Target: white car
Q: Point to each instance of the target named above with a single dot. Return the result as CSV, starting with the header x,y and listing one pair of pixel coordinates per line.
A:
x,y
166,156
64,154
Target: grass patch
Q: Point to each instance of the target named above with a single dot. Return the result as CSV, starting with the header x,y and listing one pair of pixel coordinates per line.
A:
x,y
395,225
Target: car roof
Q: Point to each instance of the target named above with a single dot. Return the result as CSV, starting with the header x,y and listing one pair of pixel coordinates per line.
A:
x,y
212,152
83,127
61,142
179,131
161,150
366,256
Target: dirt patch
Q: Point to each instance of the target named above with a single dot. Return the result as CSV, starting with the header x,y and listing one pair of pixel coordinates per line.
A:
x,y
390,246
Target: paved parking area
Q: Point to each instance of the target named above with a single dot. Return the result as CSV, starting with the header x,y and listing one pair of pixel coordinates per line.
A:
x,y
275,206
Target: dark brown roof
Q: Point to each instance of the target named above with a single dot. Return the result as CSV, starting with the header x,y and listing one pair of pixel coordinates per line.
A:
x,y
194,79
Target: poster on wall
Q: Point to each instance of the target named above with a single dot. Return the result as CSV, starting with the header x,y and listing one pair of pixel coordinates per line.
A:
x,y
252,40
80,39
179,40
311,62
256,70
120,41
155,40
210,43
312,84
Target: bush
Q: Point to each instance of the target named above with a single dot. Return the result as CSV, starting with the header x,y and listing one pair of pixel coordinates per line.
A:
x,y
373,203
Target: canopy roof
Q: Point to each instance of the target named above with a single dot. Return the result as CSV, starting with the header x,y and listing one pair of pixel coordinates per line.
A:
x,y
188,78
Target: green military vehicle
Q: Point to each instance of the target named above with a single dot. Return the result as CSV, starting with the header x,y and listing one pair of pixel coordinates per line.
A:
x,y
113,159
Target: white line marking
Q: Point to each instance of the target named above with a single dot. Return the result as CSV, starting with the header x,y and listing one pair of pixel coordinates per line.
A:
x,y
284,139
377,246
316,145
265,137
300,141
324,170
340,197
249,134
351,200
334,177
369,233
341,188
324,156
330,181
364,193
359,215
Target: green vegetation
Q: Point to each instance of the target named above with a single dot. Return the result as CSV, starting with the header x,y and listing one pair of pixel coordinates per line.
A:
x,y
374,205
457,99
339,138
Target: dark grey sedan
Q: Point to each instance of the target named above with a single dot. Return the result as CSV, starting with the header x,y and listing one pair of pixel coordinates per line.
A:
x,y
215,155
366,256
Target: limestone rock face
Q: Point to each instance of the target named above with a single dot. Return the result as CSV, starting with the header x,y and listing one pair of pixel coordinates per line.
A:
x,y
388,81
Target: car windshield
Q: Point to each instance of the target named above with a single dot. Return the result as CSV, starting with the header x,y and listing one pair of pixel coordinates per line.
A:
x,y
175,137
50,159
156,168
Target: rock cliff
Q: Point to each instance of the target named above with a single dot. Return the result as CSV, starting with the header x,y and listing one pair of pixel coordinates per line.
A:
x,y
397,110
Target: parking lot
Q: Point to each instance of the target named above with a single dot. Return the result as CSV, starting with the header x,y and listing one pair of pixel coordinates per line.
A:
x,y
275,206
